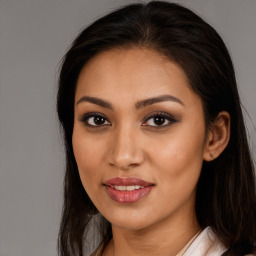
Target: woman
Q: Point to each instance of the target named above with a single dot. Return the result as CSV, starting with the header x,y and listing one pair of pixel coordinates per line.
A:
x,y
156,149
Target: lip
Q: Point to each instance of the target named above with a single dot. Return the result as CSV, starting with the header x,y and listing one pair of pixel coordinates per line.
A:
x,y
127,196
129,181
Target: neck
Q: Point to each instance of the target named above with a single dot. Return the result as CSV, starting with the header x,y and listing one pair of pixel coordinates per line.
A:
x,y
166,238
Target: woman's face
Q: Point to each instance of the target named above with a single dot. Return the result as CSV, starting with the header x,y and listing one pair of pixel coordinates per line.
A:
x,y
138,138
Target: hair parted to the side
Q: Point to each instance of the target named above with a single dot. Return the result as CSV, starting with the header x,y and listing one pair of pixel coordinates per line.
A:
x,y
226,194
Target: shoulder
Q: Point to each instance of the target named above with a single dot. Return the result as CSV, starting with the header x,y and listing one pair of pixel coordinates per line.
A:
x,y
252,254
206,244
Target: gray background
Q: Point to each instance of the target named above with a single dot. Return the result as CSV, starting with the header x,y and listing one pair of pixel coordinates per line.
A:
x,y
34,36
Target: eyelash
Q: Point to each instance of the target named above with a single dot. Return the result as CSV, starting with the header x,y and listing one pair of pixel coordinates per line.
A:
x,y
86,117
163,115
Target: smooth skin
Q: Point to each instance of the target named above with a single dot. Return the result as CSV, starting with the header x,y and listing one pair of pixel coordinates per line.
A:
x,y
161,141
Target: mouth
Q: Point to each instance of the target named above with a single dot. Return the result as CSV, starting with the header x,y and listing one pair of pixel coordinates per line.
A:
x,y
127,190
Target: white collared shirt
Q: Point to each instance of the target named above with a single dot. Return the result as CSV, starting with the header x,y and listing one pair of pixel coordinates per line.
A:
x,y
206,244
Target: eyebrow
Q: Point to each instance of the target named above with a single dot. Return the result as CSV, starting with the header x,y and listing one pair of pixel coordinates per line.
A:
x,y
138,105
150,101
96,101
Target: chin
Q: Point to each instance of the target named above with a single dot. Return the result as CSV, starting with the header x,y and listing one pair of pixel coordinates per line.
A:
x,y
130,220
131,225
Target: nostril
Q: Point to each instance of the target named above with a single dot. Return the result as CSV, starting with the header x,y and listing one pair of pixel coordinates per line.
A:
x,y
134,165
124,167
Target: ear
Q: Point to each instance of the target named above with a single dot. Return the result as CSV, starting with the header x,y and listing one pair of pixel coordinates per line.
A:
x,y
218,137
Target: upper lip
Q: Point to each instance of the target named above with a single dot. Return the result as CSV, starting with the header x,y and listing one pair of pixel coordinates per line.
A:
x,y
129,181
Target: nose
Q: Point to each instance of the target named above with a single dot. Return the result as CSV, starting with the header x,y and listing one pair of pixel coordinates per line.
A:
x,y
126,150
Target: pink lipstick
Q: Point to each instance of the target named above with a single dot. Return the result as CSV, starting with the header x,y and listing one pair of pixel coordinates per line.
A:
x,y
127,190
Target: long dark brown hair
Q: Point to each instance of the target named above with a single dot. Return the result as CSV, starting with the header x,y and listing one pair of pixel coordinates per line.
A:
x,y
226,199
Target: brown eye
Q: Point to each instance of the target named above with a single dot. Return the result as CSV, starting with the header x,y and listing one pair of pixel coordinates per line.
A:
x,y
98,120
95,120
159,120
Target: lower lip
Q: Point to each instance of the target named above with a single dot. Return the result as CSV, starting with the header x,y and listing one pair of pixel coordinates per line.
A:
x,y
127,196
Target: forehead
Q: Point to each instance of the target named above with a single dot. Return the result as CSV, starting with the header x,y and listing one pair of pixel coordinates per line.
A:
x,y
135,74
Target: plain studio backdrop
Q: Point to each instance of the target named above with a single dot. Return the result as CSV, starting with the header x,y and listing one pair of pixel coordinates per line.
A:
x,y
34,36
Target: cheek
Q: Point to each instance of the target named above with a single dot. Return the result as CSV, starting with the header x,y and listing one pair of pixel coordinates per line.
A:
x,y
180,158
87,154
